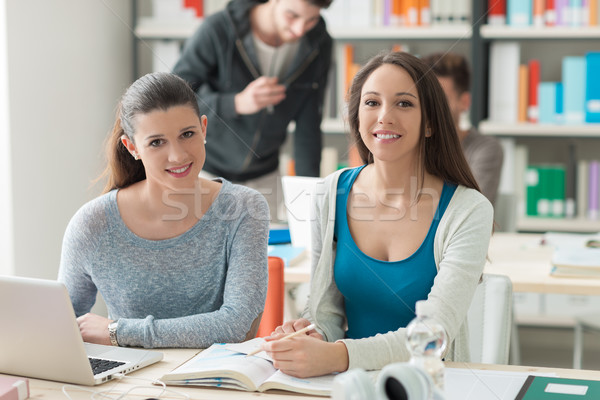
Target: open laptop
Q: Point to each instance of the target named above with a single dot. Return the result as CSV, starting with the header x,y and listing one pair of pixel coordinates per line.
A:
x,y
39,337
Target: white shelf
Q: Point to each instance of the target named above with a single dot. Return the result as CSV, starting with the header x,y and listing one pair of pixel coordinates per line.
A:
x,y
151,28
400,34
330,125
558,32
557,224
541,130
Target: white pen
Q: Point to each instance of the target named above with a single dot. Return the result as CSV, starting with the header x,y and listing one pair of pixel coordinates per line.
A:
x,y
291,335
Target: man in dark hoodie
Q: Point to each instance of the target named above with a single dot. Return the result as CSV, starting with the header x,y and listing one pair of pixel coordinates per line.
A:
x,y
256,66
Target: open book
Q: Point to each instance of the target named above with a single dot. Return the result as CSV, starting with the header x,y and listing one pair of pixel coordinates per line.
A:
x,y
576,262
226,366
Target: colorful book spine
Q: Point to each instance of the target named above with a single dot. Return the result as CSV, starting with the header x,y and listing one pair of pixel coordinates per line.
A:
x,y
562,13
594,175
573,78
592,87
519,12
539,13
593,13
496,12
571,183
534,81
576,13
387,12
583,171
523,92
559,116
550,13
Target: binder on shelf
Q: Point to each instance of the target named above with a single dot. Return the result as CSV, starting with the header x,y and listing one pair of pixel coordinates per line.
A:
x,y
504,81
582,188
519,13
496,12
573,78
592,87
571,183
547,102
562,13
523,92
559,115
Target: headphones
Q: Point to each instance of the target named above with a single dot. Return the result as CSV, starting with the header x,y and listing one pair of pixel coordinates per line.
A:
x,y
399,381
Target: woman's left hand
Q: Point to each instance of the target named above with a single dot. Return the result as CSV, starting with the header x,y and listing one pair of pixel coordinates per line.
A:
x,y
305,356
94,328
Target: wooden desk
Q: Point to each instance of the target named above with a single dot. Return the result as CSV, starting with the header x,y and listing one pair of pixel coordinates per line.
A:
x,y
527,263
174,357
519,256
41,389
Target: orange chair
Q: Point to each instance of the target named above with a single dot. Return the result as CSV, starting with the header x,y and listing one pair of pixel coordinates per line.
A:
x,y
272,316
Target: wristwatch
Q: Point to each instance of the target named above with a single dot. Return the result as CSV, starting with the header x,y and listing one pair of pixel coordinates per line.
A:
x,y
112,333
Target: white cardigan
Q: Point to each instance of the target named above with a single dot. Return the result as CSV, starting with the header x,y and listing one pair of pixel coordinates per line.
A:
x,y
460,249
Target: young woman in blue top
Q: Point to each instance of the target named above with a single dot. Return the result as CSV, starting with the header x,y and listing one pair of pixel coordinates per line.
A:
x,y
409,225
180,261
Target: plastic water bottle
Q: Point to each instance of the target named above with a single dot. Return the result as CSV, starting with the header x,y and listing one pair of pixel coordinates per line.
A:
x,y
426,341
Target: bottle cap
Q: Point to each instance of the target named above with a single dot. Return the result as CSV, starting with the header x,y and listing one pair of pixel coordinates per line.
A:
x,y
423,308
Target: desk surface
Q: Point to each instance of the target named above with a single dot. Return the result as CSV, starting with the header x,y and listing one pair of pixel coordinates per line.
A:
x,y
519,256
41,389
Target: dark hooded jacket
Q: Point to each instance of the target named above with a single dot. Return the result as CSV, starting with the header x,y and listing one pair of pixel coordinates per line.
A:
x,y
219,61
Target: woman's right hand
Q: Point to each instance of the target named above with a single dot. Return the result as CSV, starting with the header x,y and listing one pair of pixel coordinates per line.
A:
x,y
291,327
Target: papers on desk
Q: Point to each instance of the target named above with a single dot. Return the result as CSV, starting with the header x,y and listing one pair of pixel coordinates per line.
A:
x,y
476,384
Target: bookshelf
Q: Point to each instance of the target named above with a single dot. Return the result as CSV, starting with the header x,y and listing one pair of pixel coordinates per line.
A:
x,y
548,44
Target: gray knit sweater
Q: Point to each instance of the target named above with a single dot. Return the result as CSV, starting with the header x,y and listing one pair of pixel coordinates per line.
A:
x,y
204,286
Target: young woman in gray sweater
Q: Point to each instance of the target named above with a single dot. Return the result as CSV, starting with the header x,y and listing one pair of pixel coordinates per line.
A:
x,y
180,261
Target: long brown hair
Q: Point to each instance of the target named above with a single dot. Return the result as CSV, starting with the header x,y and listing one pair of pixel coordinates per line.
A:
x,y
156,91
440,153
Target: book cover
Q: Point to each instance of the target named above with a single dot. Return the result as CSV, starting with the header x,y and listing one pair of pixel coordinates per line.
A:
x,y
554,388
504,81
519,13
226,366
592,87
14,388
573,78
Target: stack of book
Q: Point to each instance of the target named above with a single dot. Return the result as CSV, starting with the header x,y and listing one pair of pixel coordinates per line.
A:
x,y
540,13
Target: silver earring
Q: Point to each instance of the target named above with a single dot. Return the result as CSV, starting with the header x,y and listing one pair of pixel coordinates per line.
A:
x,y
135,155
204,141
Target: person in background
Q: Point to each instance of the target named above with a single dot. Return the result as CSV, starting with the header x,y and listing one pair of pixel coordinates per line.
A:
x,y
256,66
408,225
180,261
483,153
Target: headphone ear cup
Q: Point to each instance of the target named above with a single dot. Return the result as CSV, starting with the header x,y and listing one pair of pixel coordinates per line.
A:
x,y
353,385
403,381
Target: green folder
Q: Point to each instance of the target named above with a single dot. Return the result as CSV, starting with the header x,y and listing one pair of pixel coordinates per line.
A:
x,y
551,388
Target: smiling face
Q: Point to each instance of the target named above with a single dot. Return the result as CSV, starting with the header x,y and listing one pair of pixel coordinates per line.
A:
x,y
389,114
170,144
293,18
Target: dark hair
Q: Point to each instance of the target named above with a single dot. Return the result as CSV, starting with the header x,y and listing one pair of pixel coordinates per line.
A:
x,y
156,91
320,3
453,66
440,154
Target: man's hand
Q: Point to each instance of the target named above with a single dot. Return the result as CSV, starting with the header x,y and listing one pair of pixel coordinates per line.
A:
x,y
260,93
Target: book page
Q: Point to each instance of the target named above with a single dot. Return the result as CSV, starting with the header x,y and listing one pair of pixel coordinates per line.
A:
x,y
248,347
219,362
320,385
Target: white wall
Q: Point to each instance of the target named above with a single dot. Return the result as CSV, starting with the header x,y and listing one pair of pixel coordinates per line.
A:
x,y
68,63
6,226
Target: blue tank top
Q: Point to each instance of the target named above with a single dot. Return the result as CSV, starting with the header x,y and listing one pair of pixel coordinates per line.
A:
x,y
380,296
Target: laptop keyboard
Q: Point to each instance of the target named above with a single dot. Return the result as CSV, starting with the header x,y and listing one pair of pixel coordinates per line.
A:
x,y
99,365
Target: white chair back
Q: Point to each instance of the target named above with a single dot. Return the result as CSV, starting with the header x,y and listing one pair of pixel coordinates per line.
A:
x,y
490,319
